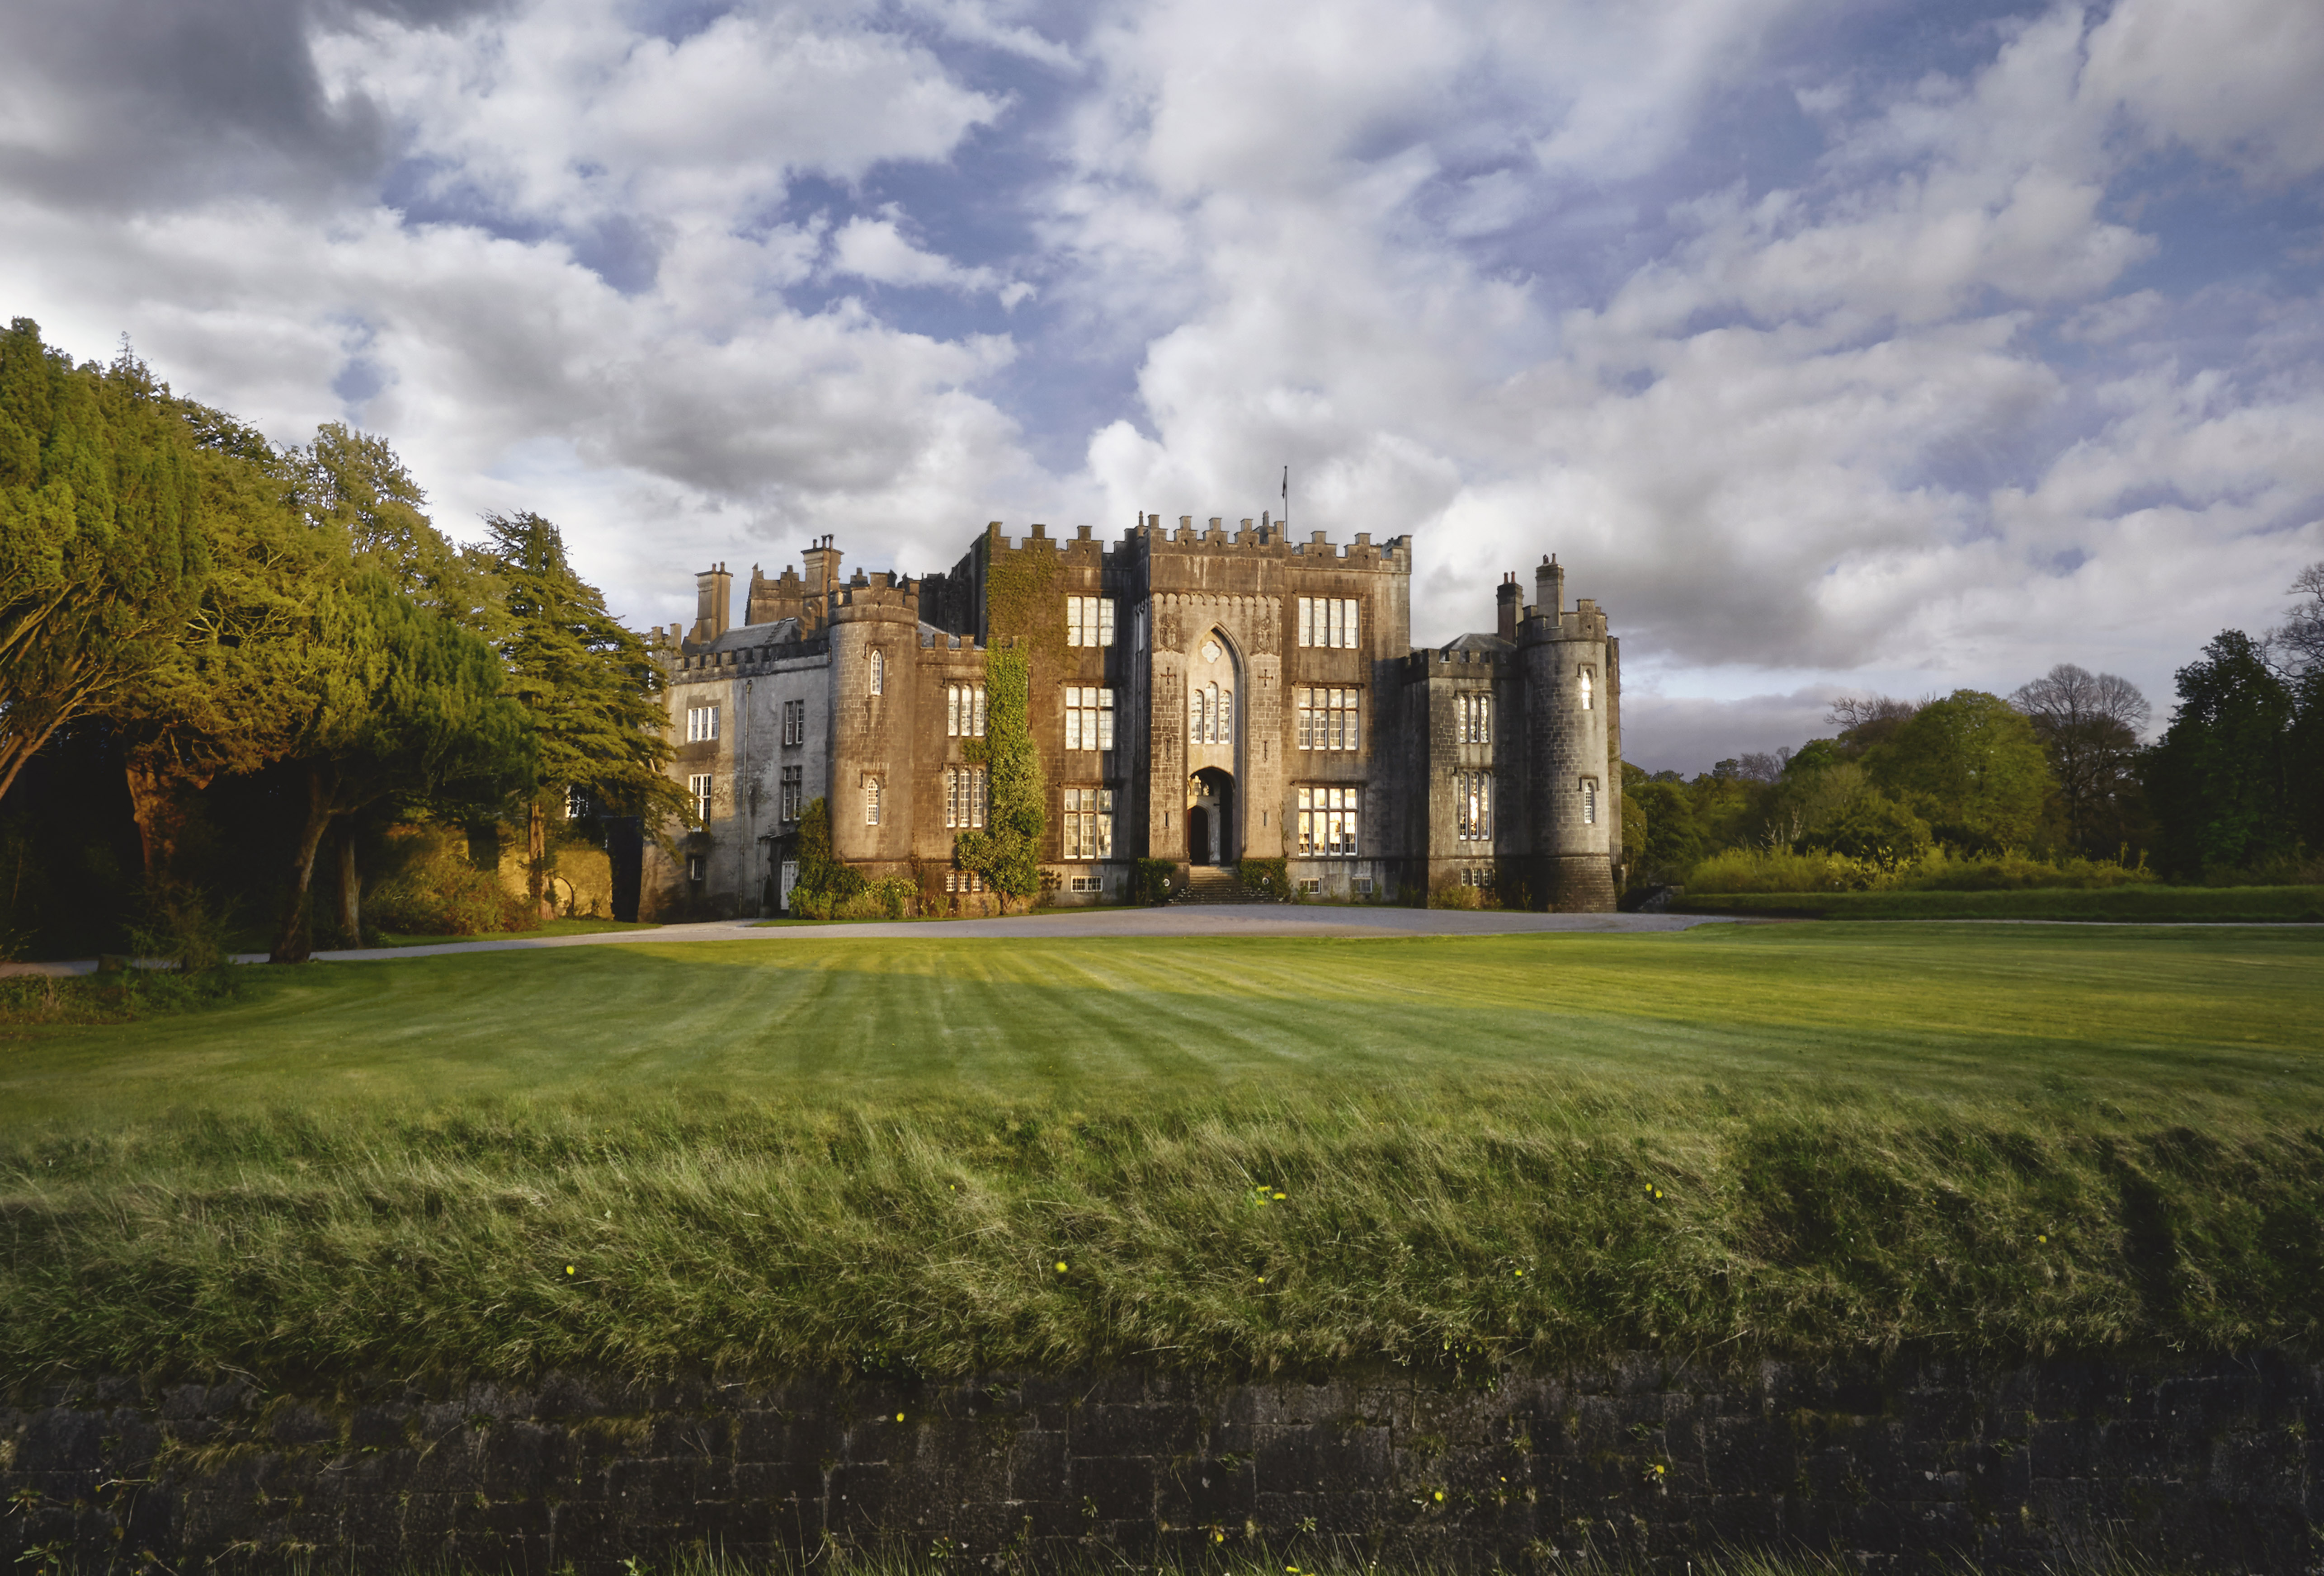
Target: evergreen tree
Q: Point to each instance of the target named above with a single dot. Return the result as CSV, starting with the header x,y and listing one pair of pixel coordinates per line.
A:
x,y
101,553
590,686
2219,778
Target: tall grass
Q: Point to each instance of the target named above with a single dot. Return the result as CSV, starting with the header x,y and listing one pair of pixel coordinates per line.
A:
x,y
1939,869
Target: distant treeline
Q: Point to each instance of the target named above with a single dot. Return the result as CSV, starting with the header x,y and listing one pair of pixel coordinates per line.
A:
x,y
2053,774
224,664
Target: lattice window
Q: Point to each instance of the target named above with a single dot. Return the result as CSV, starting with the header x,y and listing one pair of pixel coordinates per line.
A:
x,y
1327,621
1210,715
701,724
1584,688
1475,718
1474,811
965,711
1328,718
879,671
1327,822
1086,831
870,801
1089,718
794,722
964,791
697,787
1588,801
1089,621
794,794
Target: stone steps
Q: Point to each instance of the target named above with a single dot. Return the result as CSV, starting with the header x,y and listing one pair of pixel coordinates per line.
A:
x,y
1215,883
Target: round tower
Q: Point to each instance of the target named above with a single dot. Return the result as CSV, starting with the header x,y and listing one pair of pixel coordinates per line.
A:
x,y
1570,774
874,633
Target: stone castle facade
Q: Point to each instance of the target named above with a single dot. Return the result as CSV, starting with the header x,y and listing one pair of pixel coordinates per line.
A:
x,y
1215,696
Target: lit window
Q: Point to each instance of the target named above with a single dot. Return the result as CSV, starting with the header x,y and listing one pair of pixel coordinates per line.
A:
x,y
1475,718
1474,811
1087,827
701,724
1588,801
965,711
961,881
1089,621
1326,620
794,722
963,790
699,787
879,671
577,806
1327,822
1585,689
1327,718
1089,718
794,791
871,801
695,870
1478,876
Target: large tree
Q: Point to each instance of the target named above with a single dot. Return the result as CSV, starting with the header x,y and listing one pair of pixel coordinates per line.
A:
x,y
101,552
2219,778
403,705
1971,765
2089,724
590,686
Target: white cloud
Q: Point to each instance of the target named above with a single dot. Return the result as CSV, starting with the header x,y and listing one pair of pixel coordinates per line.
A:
x,y
877,250
2234,79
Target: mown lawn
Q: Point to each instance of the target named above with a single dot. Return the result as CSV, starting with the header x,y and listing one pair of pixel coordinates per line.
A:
x,y
815,1151
2125,904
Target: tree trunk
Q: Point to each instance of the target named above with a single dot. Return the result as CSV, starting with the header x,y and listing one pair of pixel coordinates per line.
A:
x,y
161,815
350,889
292,942
536,859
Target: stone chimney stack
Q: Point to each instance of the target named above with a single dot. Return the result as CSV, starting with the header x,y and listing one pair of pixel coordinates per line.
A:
x,y
714,588
822,562
1549,588
1507,595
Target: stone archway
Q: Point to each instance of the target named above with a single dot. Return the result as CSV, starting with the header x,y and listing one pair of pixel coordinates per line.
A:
x,y
1209,817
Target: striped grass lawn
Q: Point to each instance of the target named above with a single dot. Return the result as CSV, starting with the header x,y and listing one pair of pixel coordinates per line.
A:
x,y
1254,1155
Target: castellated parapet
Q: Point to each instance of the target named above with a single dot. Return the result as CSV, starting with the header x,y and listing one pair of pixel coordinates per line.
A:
x,y
1201,694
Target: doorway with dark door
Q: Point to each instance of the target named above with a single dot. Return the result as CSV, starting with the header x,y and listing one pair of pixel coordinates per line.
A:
x,y
1209,817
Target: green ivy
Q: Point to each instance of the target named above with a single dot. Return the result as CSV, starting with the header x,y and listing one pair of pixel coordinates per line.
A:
x,y
823,881
1025,635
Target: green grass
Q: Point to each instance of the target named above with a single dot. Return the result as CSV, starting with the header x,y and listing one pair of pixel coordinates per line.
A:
x,y
821,1152
2133,905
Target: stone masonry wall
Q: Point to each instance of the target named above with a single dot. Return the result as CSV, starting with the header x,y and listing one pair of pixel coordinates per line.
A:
x,y
2207,1463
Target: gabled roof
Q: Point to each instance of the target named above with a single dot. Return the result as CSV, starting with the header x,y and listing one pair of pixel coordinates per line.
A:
x,y
782,631
1478,641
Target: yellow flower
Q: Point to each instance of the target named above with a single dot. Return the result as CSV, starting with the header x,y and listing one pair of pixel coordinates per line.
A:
x,y
568,1269
1283,1195
1440,1497
899,1416
1061,1267
1521,1274
2041,1237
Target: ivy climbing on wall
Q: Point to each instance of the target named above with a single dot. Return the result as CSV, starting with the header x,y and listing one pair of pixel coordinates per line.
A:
x,y
1025,634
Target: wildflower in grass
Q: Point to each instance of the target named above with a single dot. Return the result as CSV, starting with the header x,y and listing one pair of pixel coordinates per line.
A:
x,y
899,1416
1061,1267
1440,1497
568,1269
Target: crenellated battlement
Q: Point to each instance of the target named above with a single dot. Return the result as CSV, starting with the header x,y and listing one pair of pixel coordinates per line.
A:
x,y
1268,538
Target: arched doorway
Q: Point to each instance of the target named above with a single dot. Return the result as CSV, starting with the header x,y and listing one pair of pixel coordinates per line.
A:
x,y
1209,817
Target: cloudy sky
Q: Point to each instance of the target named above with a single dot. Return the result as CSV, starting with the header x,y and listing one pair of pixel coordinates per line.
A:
x,y
1867,346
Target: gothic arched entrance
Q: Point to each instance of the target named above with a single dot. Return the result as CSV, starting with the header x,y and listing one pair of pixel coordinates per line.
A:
x,y
1209,817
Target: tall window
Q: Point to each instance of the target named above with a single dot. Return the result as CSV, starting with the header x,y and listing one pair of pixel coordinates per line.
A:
x,y
1590,801
965,711
794,792
1210,715
1475,718
1138,630
1089,718
963,790
879,671
870,801
1327,718
1325,620
794,722
701,724
1475,810
1089,621
1327,822
1088,824
1584,688
697,787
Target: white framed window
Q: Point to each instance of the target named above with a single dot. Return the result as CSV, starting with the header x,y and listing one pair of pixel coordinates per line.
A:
x,y
695,868
1087,827
1312,885
1089,621
870,801
1473,717
1089,718
961,881
964,711
1210,715
1361,886
879,671
1327,822
794,794
1087,884
1473,811
701,724
1328,718
963,792
1590,801
1583,686
698,786
1327,621
1477,875
794,722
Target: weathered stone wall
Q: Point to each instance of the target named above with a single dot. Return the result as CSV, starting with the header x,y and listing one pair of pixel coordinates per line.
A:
x,y
2210,1463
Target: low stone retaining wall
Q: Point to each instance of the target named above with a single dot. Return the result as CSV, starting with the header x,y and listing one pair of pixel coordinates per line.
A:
x,y
2213,1463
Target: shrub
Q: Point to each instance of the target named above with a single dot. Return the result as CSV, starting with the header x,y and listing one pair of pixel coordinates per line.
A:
x,y
1149,880
1779,869
439,893
1269,877
1939,869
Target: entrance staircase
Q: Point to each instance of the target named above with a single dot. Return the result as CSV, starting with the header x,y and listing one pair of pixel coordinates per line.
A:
x,y
1215,883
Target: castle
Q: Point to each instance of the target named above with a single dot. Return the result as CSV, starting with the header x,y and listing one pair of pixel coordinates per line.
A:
x,y
1198,697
